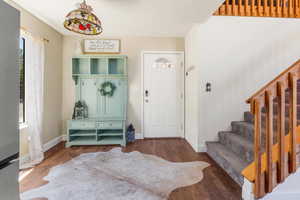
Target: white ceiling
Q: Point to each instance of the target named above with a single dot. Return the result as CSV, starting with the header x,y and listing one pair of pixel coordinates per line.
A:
x,y
129,17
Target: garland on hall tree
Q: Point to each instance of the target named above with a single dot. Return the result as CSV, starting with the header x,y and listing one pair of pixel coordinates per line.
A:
x,y
107,89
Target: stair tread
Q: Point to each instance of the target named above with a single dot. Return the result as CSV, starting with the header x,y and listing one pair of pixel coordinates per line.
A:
x,y
239,145
236,163
238,139
243,123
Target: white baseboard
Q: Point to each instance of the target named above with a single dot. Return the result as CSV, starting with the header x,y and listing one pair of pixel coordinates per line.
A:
x,y
59,139
24,159
139,136
52,143
202,149
46,147
64,137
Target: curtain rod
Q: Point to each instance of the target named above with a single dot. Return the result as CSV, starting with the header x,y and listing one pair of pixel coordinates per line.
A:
x,y
26,31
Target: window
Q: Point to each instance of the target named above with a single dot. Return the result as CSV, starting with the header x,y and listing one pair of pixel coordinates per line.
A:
x,y
22,81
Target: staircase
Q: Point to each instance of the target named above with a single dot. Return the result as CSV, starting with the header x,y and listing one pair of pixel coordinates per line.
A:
x,y
234,150
266,131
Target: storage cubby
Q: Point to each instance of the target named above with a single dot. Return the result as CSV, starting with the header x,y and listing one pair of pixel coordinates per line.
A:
x,y
110,140
82,133
116,66
83,139
116,132
99,66
80,66
105,136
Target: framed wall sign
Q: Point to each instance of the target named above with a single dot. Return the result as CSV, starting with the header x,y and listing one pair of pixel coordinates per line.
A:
x,y
101,46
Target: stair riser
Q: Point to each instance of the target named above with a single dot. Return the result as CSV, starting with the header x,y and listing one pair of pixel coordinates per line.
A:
x,y
247,131
244,131
248,117
226,166
245,152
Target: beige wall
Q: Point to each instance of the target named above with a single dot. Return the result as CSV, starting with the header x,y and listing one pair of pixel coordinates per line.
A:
x,y
53,77
130,46
59,86
247,54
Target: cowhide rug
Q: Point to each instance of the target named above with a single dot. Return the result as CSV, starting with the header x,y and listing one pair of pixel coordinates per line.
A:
x,y
115,175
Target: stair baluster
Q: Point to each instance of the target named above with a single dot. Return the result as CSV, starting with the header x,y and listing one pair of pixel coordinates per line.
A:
x,y
278,8
281,129
269,139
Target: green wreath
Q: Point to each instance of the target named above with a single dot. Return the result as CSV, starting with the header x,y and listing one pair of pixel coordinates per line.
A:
x,y
107,89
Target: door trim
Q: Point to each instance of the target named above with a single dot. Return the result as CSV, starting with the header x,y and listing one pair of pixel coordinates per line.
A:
x,y
143,53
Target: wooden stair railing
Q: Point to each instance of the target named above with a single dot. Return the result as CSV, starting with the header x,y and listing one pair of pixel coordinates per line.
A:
x,y
276,157
260,8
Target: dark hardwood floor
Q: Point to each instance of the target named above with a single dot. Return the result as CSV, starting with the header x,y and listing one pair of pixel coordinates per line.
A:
x,y
216,185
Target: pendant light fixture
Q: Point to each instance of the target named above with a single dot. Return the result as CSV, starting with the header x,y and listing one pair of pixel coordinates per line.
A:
x,y
83,21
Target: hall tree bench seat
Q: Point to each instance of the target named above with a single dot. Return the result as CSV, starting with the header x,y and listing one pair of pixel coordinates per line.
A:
x,y
93,132
106,122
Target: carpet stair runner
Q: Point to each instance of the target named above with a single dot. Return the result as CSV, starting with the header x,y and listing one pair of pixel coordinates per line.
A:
x,y
234,150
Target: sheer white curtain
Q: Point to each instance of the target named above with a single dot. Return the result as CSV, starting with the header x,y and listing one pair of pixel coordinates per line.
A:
x,y
34,97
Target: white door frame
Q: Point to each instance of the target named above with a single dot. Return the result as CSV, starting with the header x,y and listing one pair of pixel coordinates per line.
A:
x,y
143,89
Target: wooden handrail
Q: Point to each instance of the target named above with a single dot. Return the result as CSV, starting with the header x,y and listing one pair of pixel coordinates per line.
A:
x,y
260,8
261,171
280,77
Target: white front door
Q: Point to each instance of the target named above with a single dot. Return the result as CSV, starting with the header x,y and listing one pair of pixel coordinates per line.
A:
x,y
163,94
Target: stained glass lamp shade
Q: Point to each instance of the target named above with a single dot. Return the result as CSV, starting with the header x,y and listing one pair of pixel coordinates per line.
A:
x,y
83,21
